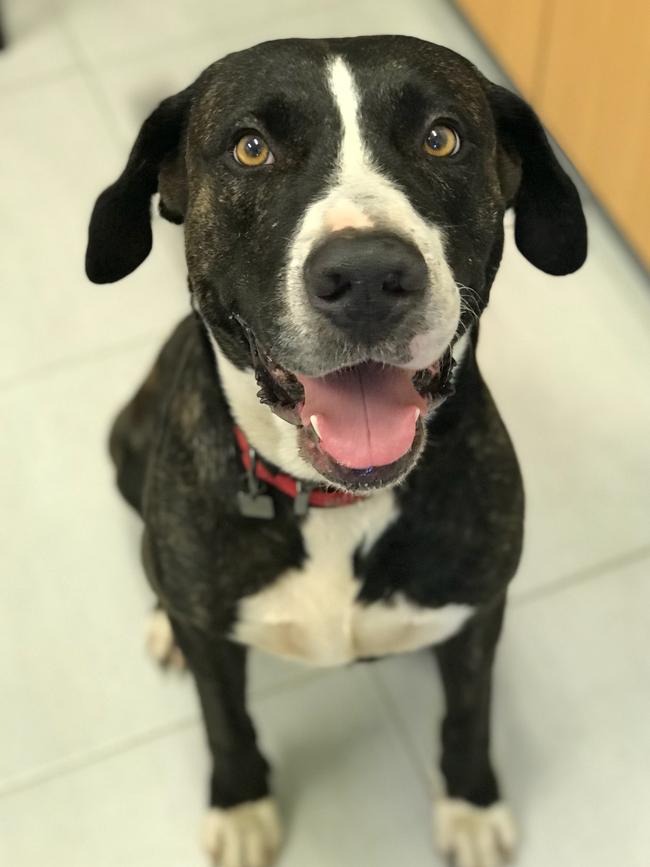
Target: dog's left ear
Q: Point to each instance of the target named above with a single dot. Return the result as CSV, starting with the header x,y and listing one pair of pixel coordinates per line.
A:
x,y
550,227
119,235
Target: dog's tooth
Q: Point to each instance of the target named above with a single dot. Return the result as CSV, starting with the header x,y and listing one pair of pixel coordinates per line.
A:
x,y
314,424
418,413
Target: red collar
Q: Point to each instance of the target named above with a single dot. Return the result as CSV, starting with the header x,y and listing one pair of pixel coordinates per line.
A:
x,y
319,497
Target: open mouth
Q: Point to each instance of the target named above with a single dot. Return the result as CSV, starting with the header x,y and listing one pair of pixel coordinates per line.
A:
x,y
362,426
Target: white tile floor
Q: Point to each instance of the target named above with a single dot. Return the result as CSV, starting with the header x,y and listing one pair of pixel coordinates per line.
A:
x,y
101,757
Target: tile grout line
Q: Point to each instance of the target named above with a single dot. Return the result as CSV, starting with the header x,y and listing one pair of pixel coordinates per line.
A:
x,y
71,764
291,682
42,79
106,752
149,52
93,82
62,365
581,576
426,780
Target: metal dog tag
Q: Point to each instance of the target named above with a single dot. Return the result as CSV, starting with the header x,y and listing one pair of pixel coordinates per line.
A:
x,y
301,501
256,505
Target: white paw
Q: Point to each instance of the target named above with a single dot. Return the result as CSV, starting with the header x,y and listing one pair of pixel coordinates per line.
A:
x,y
159,641
248,835
471,836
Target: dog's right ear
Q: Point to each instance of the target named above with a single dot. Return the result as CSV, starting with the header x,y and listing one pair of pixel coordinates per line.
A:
x,y
119,235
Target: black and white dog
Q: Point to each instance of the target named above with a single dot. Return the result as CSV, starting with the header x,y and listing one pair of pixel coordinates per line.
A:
x,y
320,468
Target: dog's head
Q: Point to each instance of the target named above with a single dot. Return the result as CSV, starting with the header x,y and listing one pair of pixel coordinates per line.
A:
x,y
343,204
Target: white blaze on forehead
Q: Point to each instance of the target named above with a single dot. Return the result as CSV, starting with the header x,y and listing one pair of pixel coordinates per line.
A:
x,y
344,210
361,195
353,160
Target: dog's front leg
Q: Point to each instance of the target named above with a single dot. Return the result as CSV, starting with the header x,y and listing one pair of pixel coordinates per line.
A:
x,y
242,828
472,826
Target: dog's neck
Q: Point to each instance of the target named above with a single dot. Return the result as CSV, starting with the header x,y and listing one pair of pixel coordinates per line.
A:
x,y
273,438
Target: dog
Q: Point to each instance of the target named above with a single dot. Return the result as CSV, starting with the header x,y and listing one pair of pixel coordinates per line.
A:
x,y
320,468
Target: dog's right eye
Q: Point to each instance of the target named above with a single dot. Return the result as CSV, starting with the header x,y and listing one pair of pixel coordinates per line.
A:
x,y
251,150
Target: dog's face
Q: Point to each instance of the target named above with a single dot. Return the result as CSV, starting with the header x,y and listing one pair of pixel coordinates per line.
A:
x,y
343,204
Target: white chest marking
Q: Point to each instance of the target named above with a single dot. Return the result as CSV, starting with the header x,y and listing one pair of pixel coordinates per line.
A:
x,y
311,613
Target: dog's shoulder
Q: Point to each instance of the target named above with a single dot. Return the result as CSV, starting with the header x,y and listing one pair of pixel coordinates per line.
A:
x,y
195,450
189,381
460,526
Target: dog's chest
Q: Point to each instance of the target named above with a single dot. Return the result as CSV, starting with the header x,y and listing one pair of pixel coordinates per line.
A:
x,y
312,613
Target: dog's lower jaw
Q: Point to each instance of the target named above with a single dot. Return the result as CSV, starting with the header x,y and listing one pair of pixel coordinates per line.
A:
x,y
248,835
472,836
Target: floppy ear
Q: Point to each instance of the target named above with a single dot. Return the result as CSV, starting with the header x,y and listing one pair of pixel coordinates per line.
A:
x,y
550,228
119,235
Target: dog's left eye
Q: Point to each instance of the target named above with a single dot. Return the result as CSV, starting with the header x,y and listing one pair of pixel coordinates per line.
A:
x,y
251,150
441,141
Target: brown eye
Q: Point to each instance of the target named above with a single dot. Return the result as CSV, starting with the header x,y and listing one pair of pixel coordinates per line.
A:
x,y
441,141
252,150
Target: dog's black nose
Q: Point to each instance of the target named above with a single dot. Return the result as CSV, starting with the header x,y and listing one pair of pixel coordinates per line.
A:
x,y
364,281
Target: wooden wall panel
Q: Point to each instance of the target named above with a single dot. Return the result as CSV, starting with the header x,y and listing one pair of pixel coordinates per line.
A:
x,y
511,29
595,99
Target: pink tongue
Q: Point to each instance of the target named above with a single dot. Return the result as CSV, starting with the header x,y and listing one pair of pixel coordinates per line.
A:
x,y
365,415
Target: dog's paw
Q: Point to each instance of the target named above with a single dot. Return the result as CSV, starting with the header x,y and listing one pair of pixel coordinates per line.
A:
x,y
248,835
471,836
160,642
